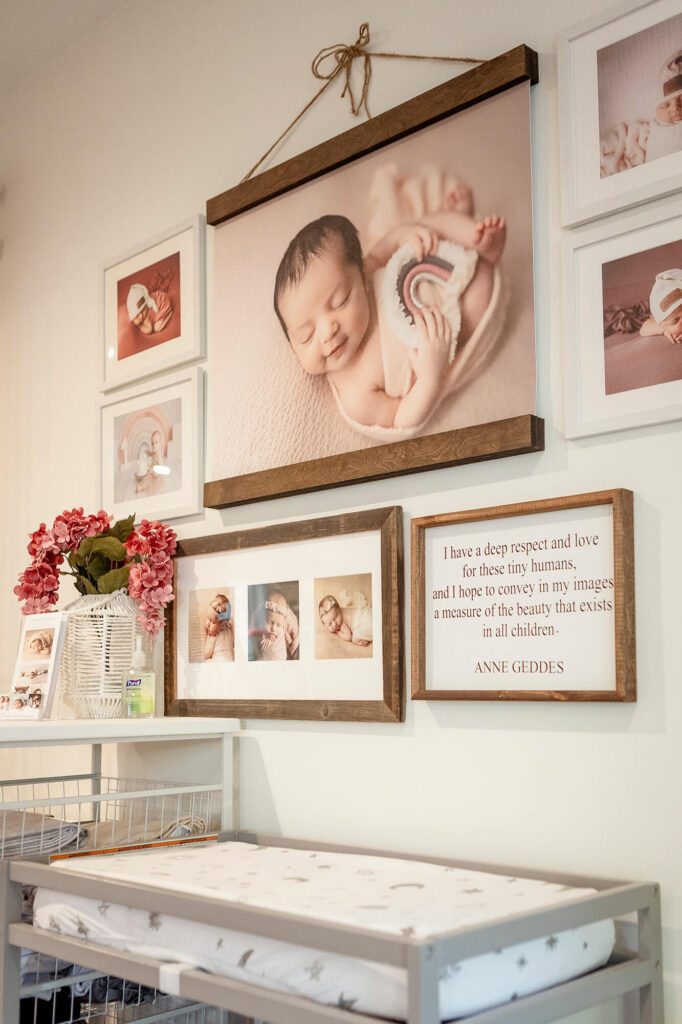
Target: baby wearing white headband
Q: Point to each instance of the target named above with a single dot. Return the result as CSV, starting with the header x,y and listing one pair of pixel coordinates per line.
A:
x,y
665,303
278,629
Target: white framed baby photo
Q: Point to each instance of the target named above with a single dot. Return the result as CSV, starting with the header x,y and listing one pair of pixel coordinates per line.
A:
x,y
620,108
623,322
154,305
36,671
151,447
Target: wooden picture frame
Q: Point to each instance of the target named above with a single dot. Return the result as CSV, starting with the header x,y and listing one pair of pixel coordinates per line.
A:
x,y
554,645
611,77
330,552
615,378
498,430
174,262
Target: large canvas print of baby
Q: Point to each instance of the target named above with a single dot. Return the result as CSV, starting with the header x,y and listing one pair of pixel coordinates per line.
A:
x,y
388,327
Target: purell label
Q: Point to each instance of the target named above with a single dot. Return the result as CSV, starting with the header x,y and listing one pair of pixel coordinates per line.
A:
x,y
133,682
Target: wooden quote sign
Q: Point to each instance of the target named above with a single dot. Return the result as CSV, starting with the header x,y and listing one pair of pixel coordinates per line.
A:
x,y
526,602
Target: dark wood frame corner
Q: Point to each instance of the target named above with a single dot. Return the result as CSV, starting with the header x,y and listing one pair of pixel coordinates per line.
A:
x,y
391,708
624,598
513,436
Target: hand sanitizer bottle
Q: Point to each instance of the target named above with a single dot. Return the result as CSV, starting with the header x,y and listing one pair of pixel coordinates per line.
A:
x,y
139,688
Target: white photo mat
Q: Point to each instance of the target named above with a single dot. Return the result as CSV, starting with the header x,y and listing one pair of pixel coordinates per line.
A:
x,y
184,389
578,653
585,195
588,409
307,678
187,239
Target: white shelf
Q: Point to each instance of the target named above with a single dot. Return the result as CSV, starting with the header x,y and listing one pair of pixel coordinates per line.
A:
x,y
113,730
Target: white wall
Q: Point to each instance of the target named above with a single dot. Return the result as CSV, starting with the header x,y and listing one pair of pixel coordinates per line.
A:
x,y
130,131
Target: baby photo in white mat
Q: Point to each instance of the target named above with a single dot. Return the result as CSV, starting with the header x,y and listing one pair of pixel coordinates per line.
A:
x,y
640,97
343,626
273,622
210,625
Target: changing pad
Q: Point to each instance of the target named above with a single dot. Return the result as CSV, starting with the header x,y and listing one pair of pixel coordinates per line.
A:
x,y
398,897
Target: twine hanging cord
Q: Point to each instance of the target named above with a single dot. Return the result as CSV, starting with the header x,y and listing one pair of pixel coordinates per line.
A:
x,y
341,57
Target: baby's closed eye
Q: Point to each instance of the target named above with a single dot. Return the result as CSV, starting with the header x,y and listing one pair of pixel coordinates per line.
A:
x,y
339,302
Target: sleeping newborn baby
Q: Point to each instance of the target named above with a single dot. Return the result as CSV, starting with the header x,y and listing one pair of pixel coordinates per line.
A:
x,y
326,302
665,303
348,618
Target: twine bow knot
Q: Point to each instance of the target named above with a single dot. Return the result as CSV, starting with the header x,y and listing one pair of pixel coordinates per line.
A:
x,y
343,56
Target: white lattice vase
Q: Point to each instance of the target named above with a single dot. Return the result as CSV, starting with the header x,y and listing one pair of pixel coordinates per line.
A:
x,y
100,640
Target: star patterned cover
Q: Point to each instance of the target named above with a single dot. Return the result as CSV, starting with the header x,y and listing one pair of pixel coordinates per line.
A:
x,y
398,897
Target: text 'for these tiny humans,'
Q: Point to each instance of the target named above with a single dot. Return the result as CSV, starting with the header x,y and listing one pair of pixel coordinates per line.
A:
x,y
529,600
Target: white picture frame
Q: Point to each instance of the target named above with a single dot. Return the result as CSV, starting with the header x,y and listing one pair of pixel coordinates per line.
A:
x,y
174,332
34,681
591,56
591,404
153,432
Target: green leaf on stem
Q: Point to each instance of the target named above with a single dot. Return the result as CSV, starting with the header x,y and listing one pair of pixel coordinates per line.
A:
x,y
114,580
85,548
98,564
109,546
74,561
122,529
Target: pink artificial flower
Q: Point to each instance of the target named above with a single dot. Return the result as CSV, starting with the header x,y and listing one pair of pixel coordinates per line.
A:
x,y
149,549
137,545
34,605
72,526
102,521
41,541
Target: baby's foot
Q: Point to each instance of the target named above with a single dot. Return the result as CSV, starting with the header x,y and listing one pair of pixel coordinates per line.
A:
x,y
490,236
460,199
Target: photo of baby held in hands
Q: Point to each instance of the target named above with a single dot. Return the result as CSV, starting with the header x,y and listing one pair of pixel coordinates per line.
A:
x,y
344,617
211,625
387,300
273,622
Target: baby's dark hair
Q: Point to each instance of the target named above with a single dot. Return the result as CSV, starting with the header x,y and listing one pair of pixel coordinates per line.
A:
x,y
311,241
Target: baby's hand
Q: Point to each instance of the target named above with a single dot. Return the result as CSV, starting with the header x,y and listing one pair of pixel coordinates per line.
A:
x,y
361,643
434,333
675,337
422,239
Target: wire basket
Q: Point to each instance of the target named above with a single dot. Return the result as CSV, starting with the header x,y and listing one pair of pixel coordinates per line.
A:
x,y
100,641
56,992
89,812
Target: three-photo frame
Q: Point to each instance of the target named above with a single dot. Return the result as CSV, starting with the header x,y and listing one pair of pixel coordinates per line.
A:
x,y
300,620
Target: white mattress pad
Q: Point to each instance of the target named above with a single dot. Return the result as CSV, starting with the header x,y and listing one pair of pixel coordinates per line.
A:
x,y
398,897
